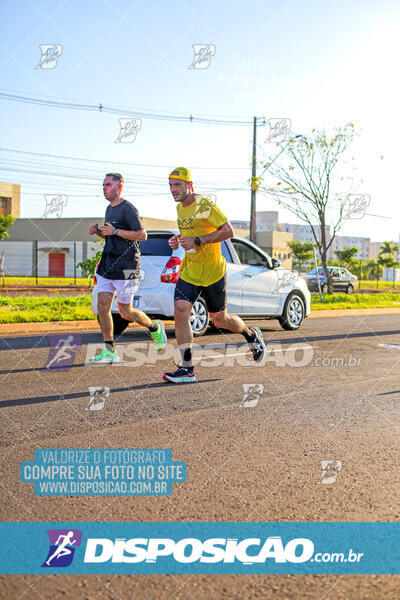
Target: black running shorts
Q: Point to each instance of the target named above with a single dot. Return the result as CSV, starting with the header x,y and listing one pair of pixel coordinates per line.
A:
x,y
214,295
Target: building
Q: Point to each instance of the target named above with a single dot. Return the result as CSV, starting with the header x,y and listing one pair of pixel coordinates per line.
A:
x,y
10,199
56,246
374,249
267,220
274,243
303,233
340,241
240,225
391,275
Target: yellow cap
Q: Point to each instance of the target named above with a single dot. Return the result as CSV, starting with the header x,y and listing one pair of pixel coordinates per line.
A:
x,y
180,173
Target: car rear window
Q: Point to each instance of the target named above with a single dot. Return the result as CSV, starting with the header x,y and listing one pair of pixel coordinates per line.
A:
x,y
226,253
156,245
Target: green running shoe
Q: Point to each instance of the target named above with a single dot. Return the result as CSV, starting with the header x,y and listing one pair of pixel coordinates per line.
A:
x,y
159,336
105,357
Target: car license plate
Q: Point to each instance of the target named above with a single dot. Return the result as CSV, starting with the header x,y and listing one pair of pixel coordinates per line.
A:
x,y
135,302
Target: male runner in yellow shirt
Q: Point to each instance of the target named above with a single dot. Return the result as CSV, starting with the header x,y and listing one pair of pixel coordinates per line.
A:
x,y
202,228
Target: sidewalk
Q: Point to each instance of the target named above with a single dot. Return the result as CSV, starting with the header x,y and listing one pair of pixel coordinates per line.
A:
x,y
50,327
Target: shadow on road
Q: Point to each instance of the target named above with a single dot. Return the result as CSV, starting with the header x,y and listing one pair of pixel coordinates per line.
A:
x,y
57,398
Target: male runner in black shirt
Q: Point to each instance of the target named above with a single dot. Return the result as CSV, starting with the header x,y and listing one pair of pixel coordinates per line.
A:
x,y
119,268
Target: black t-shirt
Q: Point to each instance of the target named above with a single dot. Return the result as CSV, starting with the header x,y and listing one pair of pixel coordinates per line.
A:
x,y
121,255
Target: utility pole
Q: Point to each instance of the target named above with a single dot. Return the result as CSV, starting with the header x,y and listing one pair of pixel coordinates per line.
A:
x,y
255,181
253,185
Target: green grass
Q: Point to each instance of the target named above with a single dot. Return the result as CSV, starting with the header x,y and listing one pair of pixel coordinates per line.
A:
x,y
355,301
22,309
47,281
382,285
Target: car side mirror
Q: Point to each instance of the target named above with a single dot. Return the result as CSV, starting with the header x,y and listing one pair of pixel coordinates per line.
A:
x,y
276,263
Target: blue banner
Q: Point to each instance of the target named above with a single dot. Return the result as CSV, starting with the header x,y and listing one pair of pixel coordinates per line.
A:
x,y
200,548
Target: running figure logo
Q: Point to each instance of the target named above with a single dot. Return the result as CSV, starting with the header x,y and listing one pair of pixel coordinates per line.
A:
x,y
98,395
203,54
251,394
287,279
279,130
358,204
62,547
62,351
128,130
50,55
55,205
329,471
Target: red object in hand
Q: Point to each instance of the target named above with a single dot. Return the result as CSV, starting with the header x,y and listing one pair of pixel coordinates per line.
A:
x,y
171,270
94,276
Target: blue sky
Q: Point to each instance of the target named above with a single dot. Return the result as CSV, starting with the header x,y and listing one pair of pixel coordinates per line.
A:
x,y
319,64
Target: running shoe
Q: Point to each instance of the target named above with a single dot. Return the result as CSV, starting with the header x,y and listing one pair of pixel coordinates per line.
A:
x,y
105,357
181,375
159,336
258,346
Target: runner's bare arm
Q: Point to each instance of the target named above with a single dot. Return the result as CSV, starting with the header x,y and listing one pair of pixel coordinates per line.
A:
x,y
224,232
139,235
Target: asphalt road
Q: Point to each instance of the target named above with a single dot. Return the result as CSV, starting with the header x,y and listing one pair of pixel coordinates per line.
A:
x,y
329,391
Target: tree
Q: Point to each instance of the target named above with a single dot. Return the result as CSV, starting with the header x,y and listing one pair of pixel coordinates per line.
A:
x,y
345,256
5,222
304,182
301,250
370,268
386,256
388,249
88,266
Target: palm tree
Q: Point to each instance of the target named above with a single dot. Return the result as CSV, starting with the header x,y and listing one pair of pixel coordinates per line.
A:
x,y
388,248
370,268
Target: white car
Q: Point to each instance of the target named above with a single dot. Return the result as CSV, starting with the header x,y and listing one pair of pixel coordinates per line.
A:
x,y
258,287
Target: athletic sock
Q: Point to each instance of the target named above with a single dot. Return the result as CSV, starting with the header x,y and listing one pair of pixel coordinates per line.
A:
x,y
110,346
153,327
250,337
186,354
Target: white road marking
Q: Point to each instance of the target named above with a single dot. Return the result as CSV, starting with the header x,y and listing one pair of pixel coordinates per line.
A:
x,y
397,346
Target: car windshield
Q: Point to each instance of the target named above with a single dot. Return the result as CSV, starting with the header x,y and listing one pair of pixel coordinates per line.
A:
x,y
320,271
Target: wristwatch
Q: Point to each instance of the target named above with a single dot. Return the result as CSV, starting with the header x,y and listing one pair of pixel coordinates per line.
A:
x,y
197,241
115,231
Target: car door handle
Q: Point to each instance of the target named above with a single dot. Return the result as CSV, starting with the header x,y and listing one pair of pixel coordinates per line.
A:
x,y
247,275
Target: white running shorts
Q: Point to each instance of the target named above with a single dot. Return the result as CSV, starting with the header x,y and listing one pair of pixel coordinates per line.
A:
x,y
124,288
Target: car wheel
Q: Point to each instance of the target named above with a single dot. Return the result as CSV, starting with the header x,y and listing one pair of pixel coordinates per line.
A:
x,y
293,313
120,324
199,318
350,289
325,289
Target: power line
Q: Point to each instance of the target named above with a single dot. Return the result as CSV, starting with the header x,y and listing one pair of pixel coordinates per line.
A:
x,y
115,110
107,162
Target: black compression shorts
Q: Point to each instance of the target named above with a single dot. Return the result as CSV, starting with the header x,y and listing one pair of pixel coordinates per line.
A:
x,y
214,295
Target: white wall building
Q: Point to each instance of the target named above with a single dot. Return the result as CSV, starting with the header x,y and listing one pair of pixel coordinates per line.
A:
x,y
340,241
303,233
267,220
